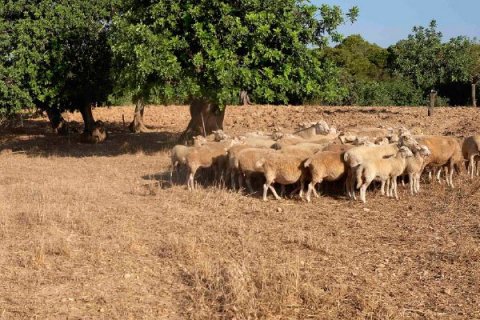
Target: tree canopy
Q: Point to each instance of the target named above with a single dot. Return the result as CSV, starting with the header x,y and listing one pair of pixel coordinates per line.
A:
x,y
182,49
57,56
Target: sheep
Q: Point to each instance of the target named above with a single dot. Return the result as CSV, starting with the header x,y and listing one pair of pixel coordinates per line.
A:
x,y
233,167
372,133
310,148
471,153
414,168
245,162
445,153
309,130
281,168
178,156
206,156
338,147
356,156
259,142
384,170
325,165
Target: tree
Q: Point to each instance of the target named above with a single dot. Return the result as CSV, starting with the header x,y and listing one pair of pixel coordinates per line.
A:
x,y
419,57
207,51
58,58
361,59
366,76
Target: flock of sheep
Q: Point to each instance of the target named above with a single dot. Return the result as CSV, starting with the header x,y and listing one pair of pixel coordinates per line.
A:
x,y
317,153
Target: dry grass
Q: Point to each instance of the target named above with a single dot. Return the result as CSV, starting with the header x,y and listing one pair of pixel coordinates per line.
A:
x,y
98,232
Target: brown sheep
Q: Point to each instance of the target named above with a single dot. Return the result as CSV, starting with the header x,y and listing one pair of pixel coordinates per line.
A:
x,y
325,165
471,153
445,153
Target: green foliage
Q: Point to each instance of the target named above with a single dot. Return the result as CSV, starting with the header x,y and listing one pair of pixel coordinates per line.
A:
x,y
419,57
429,63
57,54
176,50
359,58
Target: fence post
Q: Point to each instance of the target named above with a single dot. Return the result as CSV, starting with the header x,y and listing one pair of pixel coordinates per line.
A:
x,y
433,98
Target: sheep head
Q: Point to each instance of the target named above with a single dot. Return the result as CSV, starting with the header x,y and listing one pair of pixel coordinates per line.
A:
x,y
321,127
405,152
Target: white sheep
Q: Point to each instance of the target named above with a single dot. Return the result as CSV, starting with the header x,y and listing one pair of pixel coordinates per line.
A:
x,y
358,155
384,170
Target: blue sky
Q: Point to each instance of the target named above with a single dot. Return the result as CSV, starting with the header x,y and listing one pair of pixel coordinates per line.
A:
x,y
384,22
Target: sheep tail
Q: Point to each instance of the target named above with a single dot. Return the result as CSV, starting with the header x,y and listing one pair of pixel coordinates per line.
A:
x,y
307,163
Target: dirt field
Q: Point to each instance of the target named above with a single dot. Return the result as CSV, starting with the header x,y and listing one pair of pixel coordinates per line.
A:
x,y
97,232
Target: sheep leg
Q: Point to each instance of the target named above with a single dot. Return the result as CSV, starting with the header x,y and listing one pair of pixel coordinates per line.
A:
x,y
274,192
191,180
382,188
450,174
240,181
394,187
174,166
413,182
249,184
232,179
439,172
363,192
311,188
302,185
417,183
471,166
265,191
282,190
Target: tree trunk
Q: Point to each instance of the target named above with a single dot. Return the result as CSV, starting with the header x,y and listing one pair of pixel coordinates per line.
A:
x,y
59,125
474,94
433,98
206,117
93,132
137,124
244,98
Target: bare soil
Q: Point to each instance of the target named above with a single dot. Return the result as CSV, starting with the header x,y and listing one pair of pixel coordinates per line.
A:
x,y
98,232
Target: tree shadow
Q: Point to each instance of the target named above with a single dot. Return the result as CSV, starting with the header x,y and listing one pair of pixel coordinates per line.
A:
x,y
35,138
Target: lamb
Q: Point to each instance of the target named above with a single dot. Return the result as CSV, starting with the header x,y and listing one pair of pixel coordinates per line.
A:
x,y
471,153
207,156
384,170
414,168
445,153
281,168
325,165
